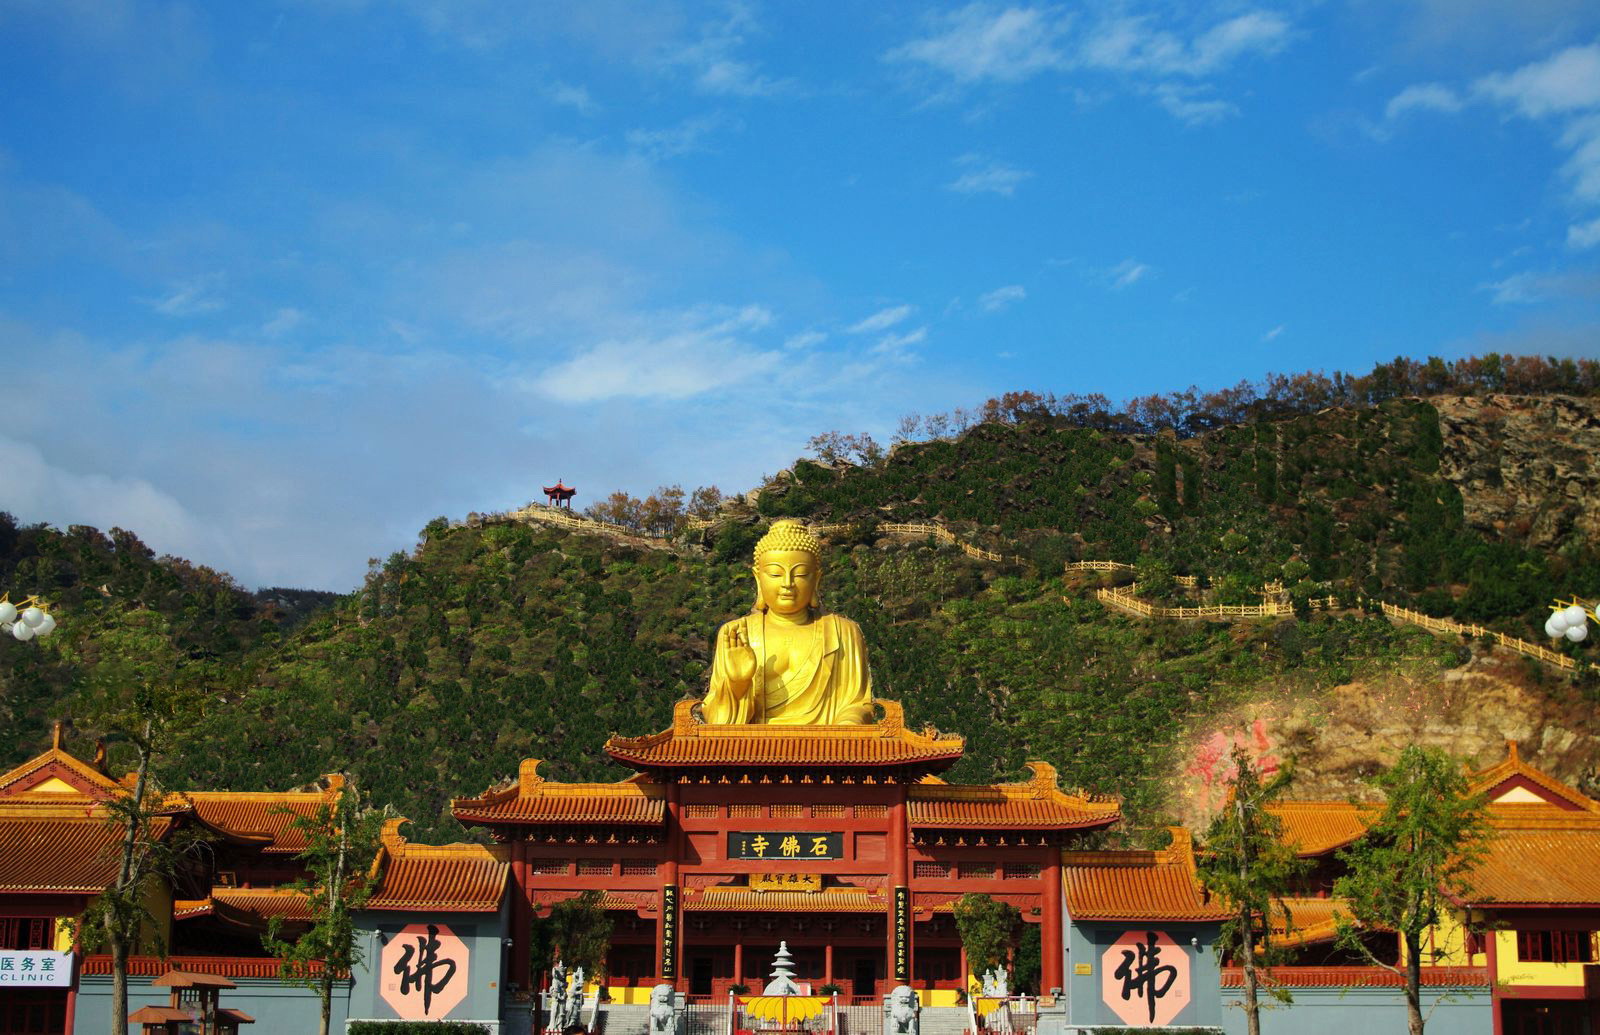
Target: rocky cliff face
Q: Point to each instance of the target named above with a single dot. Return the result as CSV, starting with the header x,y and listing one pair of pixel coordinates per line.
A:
x,y
1528,468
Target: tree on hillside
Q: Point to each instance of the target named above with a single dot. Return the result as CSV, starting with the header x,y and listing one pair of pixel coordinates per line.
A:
x,y
1414,860
139,693
988,930
1247,866
342,841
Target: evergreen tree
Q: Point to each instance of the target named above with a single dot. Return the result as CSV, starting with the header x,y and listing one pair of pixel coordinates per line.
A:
x,y
1247,866
1414,860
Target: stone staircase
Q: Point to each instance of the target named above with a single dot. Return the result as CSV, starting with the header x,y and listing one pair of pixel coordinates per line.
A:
x,y
945,1020
623,1019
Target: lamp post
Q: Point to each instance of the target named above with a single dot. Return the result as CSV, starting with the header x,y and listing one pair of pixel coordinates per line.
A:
x,y
1569,620
26,620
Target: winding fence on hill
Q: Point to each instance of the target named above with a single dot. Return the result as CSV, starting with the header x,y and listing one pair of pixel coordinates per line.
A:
x,y
1275,597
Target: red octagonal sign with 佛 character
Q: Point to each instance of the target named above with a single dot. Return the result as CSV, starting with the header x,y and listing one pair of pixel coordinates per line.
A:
x,y
423,972
1144,978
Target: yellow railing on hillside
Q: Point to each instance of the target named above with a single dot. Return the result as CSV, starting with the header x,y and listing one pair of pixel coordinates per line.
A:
x,y
1125,601
1445,625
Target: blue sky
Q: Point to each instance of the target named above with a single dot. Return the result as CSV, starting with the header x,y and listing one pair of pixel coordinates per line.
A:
x,y
279,282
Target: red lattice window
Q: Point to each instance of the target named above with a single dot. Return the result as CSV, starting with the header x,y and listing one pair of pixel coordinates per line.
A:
x,y
594,867
702,811
828,811
1022,871
788,811
747,811
929,869
26,932
980,871
871,811
1555,946
638,868
547,867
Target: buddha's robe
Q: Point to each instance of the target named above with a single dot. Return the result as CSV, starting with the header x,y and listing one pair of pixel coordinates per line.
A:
x,y
831,687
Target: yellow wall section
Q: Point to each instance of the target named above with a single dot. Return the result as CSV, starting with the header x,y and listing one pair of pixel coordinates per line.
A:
x,y
63,941
1514,972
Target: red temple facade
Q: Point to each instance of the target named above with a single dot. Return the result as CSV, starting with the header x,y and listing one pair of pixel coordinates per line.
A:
x,y
842,841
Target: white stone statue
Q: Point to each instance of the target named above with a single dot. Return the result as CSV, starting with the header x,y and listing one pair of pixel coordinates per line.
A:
x,y
663,1011
905,1011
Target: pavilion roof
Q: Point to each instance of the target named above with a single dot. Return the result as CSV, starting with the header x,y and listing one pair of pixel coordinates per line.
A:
x,y
58,775
1319,827
1158,885
1037,803
1512,781
262,818
454,878
1539,855
691,744
250,908
533,799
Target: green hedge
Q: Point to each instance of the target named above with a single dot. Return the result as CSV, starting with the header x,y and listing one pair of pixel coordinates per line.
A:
x,y
416,1028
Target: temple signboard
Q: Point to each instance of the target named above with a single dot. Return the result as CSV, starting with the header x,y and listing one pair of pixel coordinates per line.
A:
x,y
785,844
1145,978
423,972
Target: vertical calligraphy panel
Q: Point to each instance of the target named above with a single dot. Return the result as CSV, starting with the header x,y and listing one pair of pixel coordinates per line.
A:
x,y
669,932
902,935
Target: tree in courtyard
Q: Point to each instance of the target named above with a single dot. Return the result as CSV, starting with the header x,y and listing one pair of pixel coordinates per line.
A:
x,y
342,840
577,932
1414,860
988,929
141,694
1249,868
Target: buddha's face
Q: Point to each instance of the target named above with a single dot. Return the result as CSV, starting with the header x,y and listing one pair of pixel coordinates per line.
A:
x,y
788,581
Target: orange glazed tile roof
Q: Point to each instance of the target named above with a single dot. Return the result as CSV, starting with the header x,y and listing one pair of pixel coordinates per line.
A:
x,y
259,817
1034,804
66,768
1539,855
1513,770
1314,920
58,849
833,900
533,799
1141,886
246,907
1320,827
456,878
884,744
1362,977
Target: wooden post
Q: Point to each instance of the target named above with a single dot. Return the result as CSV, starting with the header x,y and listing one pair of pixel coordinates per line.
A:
x,y
521,919
1050,970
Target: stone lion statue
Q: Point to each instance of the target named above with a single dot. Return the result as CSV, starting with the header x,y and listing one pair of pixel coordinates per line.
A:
x,y
904,1011
663,1012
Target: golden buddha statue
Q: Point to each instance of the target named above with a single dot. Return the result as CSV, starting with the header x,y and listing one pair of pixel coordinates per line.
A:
x,y
786,663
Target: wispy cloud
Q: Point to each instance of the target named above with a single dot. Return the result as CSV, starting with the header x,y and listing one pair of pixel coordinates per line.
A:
x,y
568,95
882,320
1531,288
982,44
192,297
1562,83
1127,273
1423,97
897,344
982,175
1001,298
282,322
1273,334
686,137
715,66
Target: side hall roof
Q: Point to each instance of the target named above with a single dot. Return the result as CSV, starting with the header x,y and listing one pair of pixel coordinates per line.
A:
x,y
67,849
533,799
1138,886
692,744
1037,803
454,878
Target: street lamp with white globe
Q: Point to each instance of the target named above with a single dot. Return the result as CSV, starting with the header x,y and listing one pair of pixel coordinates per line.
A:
x,y
1569,621
31,619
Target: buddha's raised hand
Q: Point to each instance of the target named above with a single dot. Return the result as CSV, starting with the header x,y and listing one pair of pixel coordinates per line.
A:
x,y
741,660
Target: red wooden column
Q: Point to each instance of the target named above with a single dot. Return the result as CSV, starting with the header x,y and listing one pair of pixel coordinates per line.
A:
x,y
669,921
738,958
827,961
521,916
1050,970
1491,962
899,970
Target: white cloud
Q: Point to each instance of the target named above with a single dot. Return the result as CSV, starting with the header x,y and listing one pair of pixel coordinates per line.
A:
x,y
692,360
895,345
282,322
1127,273
1423,97
192,297
881,320
1134,44
1532,288
576,97
987,176
1564,82
979,43
804,340
1001,297
714,66
1273,334
1584,235
685,138
1192,105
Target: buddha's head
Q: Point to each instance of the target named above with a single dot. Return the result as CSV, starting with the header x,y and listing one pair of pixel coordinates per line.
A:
x,y
788,571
